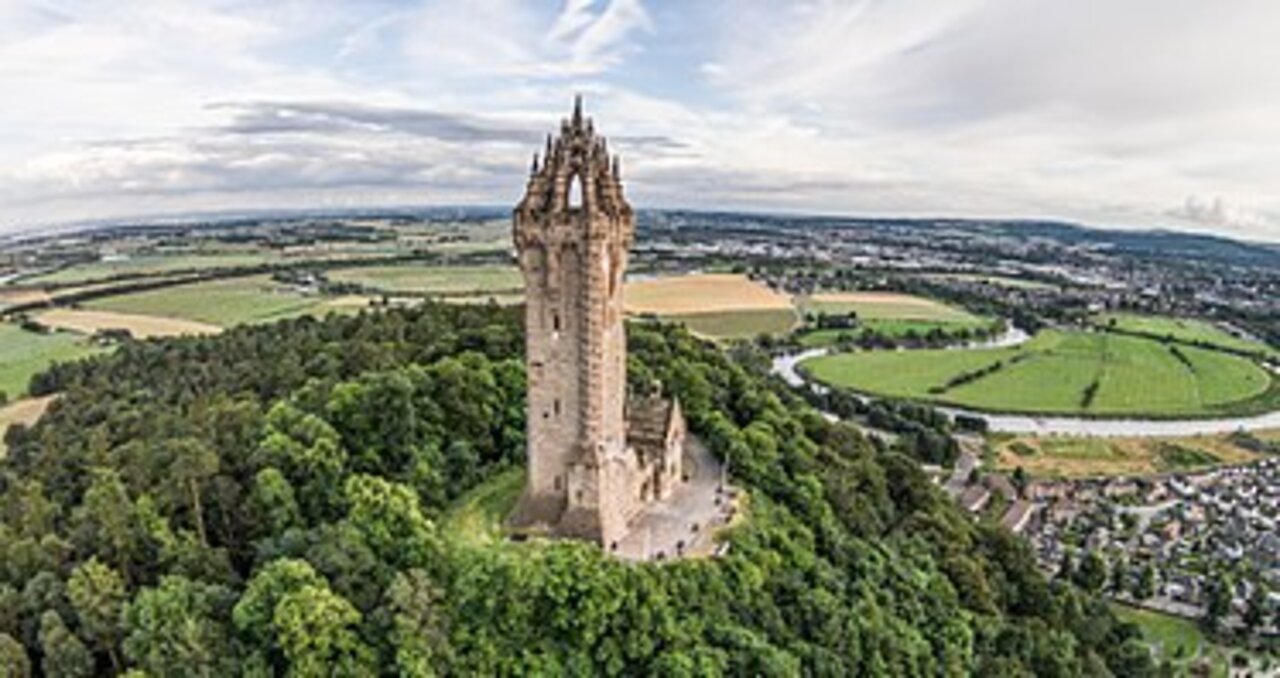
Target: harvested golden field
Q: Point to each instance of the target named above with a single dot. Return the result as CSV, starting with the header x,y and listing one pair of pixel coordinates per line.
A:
x,y
13,297
1269,434
701,293
1074,456
26,411
140,326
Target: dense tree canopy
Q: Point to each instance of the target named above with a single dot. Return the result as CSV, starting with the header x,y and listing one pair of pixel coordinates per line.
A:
x,y
269,501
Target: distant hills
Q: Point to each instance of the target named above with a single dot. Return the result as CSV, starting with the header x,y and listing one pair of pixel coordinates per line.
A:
x,y
1157,243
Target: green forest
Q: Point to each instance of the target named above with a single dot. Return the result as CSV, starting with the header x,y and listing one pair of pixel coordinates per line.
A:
x,y
269,501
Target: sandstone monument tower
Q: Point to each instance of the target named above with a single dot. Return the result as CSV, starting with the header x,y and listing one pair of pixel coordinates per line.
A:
x,y
595,460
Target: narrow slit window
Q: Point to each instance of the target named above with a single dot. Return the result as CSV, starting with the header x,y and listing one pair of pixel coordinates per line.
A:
x,y
556,407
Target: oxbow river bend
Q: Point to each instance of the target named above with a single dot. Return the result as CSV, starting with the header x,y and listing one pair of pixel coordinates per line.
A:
x,y
785,367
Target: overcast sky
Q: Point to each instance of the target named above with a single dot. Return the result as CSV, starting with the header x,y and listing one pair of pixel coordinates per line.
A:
x,y
1118,113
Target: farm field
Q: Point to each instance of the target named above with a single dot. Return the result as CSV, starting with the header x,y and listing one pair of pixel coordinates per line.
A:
x,y
896,329
715,305
1051,373
12,297
1184,329
499,298
224,303
890,314
444,280
140,326
24,353
154,263
1076,456
1001,280
885,306
746,324
701,293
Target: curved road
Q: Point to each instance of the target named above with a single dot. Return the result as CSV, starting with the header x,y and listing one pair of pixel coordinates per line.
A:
x,y
785,367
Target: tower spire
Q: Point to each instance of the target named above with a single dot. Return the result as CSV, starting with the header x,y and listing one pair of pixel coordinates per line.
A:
x,y
577,110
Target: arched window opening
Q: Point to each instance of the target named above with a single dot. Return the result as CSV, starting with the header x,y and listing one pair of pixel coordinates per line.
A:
x,y
575,192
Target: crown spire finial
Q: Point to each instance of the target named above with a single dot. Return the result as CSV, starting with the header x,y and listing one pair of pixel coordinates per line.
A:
x,y
577,110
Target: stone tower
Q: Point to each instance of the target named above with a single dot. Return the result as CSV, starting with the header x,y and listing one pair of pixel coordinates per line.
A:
x,y
572,233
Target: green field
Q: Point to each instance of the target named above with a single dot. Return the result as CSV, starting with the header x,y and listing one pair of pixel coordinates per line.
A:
x,y
896,329
422,278
151,264
886,306
1050,374
226,303
1170,636
1182,643
744,324
889,314
1181,329
24,353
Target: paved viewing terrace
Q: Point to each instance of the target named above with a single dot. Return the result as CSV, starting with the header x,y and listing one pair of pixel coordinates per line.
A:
x,y
684,525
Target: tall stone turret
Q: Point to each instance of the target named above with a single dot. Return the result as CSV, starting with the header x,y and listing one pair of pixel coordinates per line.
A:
x,y
572,233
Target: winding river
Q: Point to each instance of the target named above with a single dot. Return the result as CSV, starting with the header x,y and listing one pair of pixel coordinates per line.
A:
x,y
785,367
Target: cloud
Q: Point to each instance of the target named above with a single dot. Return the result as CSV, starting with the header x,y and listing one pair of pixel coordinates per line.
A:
x,y
1219,215
338,117
1091,110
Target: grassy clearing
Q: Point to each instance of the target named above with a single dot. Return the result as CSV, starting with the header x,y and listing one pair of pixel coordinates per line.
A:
x,y
225,303
1075,456
702,293
426,279
26,411
885,306
1181,329
1171,637
1053,374
24,353
1191,653
140,326
476,518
